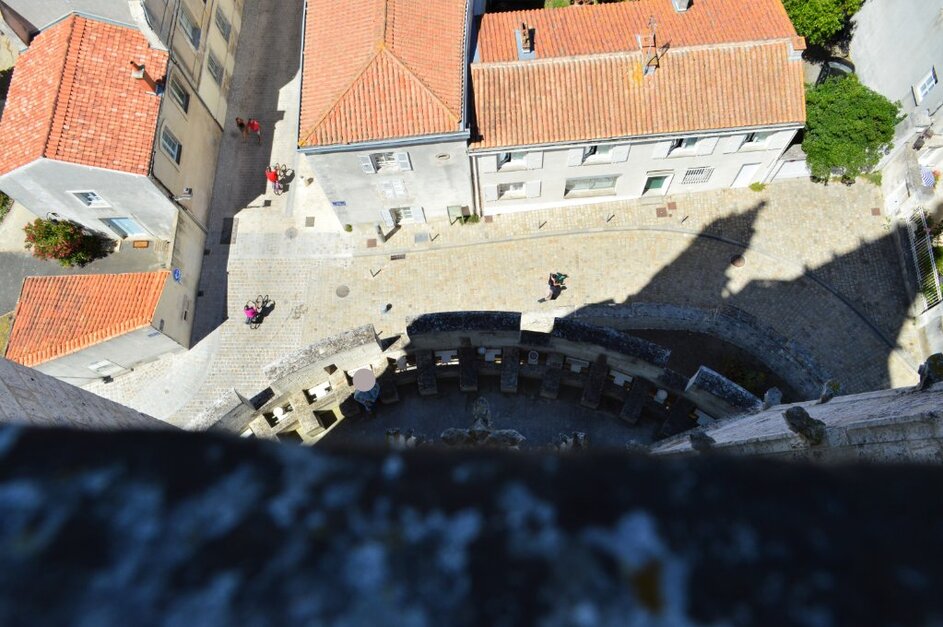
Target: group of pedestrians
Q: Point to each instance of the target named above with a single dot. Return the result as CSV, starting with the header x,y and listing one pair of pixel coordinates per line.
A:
x,y
249,126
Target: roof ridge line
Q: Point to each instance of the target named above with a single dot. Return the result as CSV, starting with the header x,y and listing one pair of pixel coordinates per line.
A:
x,y
354,81
62,82
423,84
630,53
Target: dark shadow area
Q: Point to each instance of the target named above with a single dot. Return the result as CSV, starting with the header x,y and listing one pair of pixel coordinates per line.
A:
x,y
240,177
825,324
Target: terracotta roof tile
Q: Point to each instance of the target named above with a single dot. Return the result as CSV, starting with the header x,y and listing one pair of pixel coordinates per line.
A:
x,y
59,315
598,29
72,98
603,96
380,69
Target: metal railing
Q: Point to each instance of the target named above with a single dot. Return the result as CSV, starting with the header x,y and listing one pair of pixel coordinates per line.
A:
x,y
922,248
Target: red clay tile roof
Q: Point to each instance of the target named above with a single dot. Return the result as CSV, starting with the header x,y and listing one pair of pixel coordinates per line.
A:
x,y
582,30
381,69
59,315
726,65
72,98
602,97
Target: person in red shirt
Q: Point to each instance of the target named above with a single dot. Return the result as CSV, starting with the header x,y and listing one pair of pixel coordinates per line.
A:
x,y
254,127
272,177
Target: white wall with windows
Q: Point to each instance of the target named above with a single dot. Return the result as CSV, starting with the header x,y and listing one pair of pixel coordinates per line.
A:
x,y
523,179
117,204
387,185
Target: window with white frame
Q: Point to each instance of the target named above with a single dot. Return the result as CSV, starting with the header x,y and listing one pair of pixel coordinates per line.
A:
x,y
190,28
223,24
392,189
597,154
756,139
179,93
90,199
170,145
385,162
596,185
683,146
512,160
925,86
697,175
510,190
215,68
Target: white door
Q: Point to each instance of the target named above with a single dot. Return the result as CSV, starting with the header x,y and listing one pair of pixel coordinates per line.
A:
x,y
746,174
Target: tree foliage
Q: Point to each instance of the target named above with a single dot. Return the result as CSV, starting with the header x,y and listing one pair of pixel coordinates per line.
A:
x,y
820,20
847,127
66,242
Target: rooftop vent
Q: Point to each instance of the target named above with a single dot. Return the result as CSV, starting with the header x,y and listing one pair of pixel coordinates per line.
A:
x,y
138,72
681,5
525,42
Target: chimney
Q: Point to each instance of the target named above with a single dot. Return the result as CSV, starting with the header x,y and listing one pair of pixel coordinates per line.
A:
x,y
681,5
525,42
147,83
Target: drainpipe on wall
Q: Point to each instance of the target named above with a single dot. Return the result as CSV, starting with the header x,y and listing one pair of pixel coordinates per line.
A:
x,y
477,207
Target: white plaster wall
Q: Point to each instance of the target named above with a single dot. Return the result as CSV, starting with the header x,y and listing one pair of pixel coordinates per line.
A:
x,y
433,184
44,186
895,43
177,303
555,170
127,350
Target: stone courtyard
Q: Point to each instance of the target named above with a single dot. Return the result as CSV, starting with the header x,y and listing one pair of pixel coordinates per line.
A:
x,y
822,281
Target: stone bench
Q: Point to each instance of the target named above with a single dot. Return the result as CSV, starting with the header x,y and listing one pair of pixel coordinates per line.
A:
x,y
595,383
510,369
550,387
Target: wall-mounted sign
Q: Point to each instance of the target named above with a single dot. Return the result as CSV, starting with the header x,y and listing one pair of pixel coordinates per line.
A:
x,y
177,275
339,203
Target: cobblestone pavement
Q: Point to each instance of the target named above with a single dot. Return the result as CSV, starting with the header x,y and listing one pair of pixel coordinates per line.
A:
x,y
821,273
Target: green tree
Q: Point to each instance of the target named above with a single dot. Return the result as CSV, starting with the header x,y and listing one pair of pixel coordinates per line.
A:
x,y
66,242
820,20
847,127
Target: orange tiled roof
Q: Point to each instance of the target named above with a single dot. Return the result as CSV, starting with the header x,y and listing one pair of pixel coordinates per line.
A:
x,y
59,315
72,98
381,69
582,30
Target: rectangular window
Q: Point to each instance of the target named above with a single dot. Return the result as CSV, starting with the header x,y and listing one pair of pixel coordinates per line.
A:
x,y
597,154
179,93
510,190
697,175
170,145
90,199
124,227
385,162
215,68
924,87
393,189
105,368
756,139
190,28
683,145
593,186
224,25
512,160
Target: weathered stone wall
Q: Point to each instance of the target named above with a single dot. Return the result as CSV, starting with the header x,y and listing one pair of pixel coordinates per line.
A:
x,y
32,398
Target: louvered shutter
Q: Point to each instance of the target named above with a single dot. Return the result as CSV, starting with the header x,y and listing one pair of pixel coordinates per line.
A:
x,y
366,164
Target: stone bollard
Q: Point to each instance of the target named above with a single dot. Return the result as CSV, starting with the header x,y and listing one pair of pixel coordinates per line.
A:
x,y
805,426
931,371
772,398
830,390
701,442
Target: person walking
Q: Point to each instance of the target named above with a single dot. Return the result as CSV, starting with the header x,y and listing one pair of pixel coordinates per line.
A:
x,y
254,127
241,125
271,174
554,286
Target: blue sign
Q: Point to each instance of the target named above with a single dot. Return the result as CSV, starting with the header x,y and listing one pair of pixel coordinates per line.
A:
x,y
339,203
176,275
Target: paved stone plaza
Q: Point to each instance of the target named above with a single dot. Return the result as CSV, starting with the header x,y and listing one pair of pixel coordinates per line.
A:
x,y
822,274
